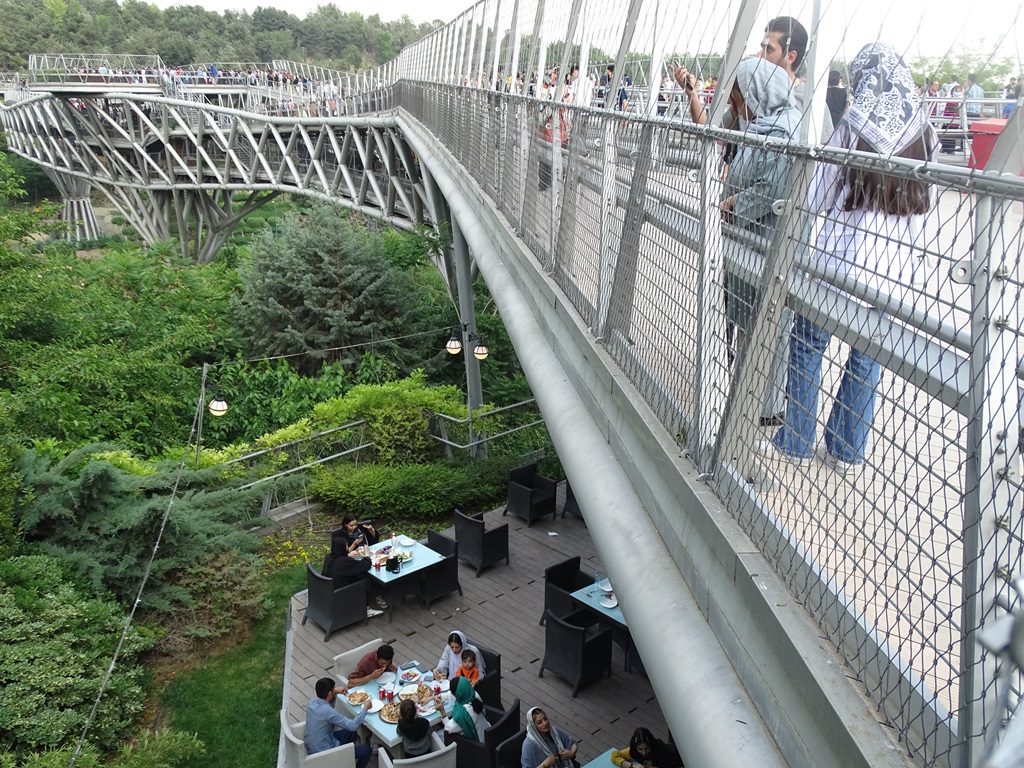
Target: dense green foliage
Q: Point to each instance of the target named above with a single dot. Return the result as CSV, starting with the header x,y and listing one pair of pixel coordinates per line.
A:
x,y
150,749
397,416
104,349
268,396
425,492
102,519
190,33
100,360
323,283
56,642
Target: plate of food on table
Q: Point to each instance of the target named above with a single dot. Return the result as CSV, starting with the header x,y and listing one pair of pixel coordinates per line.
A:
x,y
357,697
389,712
426,708
610,600
419,692
410,675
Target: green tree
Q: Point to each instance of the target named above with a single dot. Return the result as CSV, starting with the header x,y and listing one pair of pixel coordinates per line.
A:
x,y
18,222
325,284
102,349
10,485
992,71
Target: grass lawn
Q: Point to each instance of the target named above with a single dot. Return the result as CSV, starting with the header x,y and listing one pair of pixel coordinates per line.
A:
x,y
232,698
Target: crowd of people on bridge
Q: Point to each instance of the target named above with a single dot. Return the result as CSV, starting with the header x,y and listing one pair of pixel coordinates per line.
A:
x,y
867,237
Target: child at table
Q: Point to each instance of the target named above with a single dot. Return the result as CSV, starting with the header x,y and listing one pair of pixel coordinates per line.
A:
x,y
469,669
414,730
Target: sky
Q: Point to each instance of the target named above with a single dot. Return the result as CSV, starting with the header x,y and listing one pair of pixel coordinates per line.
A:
x,y
916,27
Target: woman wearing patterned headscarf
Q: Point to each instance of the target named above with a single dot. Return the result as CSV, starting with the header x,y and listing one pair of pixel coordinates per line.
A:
x,y
870,234
546,745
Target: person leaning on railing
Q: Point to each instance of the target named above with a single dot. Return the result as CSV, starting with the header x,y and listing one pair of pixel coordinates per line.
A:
x,y
873,221
761,102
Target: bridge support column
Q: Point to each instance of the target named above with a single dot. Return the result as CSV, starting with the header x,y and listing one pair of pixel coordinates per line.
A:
x,y
203,222
467,310
78,215
206,221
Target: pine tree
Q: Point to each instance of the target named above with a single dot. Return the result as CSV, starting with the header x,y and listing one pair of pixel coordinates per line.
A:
x,y
325,283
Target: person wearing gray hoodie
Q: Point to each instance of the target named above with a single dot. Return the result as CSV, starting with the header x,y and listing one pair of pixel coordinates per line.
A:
x,y
761,100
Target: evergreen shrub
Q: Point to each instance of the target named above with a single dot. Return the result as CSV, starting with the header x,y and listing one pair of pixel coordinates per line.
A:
x,y
56,642
426,492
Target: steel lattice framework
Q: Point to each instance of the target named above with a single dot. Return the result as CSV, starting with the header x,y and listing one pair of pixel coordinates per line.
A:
x,y
173,165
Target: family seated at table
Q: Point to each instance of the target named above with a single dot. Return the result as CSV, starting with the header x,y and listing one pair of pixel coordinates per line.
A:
x,y
448,665
460,708
322,720
646,751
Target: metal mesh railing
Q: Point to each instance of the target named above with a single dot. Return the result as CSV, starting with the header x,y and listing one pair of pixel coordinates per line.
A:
x,y
897,555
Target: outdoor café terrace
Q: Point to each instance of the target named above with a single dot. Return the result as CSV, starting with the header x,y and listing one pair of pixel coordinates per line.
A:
x,y
500,610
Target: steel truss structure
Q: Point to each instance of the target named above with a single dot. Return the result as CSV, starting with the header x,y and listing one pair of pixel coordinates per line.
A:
x,y
608,258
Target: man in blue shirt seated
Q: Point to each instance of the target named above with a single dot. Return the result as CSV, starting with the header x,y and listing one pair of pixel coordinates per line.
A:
x,y
321,719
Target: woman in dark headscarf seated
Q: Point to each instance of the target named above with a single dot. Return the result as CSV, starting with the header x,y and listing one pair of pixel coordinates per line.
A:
x,y
645,751
547,745
346,568
353,534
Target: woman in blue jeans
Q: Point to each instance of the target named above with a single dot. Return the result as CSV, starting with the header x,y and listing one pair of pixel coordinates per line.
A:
x,y
872,225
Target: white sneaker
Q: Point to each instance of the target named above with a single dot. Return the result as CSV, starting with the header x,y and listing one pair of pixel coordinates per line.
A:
x,y
841,467
370,613
769,450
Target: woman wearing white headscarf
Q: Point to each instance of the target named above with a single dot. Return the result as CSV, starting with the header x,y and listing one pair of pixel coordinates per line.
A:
x,y
757,177
451,657
873,224
546,745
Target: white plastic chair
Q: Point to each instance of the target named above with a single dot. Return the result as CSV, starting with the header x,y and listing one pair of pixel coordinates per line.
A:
x,y
439,756
346,662
295,755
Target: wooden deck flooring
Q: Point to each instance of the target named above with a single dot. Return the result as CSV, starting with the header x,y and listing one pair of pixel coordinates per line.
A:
x,y
501,610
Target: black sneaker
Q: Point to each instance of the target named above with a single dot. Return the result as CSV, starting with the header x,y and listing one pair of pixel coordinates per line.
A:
x,y
773,421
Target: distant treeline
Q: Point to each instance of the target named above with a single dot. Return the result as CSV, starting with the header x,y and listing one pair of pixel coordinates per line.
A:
x,y
189,33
